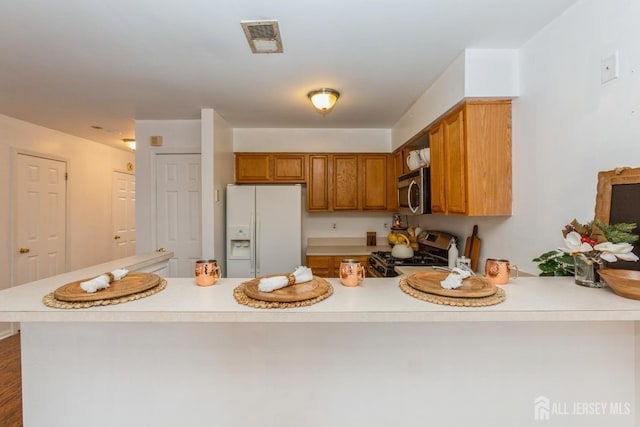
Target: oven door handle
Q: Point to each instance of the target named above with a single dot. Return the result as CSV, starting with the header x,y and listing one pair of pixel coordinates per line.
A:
x,y
410,196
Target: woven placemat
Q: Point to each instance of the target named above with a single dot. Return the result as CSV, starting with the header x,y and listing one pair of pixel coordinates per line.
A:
x,y
242,298
496,298
50,300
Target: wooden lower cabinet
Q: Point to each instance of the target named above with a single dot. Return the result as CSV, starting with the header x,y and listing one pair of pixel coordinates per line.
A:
x,y
329,266
321,266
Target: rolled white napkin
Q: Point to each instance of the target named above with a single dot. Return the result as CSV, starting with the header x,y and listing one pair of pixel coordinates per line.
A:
x,y
300,275
455,278
103,281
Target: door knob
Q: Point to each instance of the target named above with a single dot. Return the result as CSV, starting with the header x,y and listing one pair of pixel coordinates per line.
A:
x,y
161,250
116,237
24,250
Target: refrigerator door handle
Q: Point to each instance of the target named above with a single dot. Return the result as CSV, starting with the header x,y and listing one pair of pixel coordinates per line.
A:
x,y
257,239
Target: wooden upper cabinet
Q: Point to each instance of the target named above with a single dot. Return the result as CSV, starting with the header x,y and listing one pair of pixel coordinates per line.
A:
x,y
345,183
271,167
471,160
374,171
289,167
318,184
455,163
253,167
437,168
335,181
488,145
351,182
399,160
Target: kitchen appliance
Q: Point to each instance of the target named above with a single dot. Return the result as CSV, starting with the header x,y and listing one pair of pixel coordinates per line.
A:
x,y
433,251
414,192
264,229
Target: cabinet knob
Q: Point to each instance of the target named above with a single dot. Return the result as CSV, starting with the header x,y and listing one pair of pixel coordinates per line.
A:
x,y
116,237
24,250
161,250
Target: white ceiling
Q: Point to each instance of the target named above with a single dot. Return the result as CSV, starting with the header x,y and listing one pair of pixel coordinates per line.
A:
x,y
71,64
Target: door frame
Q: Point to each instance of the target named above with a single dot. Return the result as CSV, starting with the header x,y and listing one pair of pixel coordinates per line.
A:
x,y
15,152
158,151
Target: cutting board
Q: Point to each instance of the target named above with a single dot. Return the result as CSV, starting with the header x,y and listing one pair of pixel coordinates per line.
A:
x,y
430,281
472,248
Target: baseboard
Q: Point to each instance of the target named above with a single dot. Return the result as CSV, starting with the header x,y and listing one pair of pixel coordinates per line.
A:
x,y
6,330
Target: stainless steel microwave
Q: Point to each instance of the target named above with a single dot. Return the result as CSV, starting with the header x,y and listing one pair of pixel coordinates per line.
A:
x,y
414,192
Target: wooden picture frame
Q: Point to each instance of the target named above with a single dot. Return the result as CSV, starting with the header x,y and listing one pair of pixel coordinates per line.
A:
x,y
606,181
617,201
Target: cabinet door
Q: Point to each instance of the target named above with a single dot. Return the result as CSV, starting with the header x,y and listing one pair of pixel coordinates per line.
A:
x,y
253,167
398,163
289,168
455,163
374,181
321,266
488,137
392,184
345,182
318,184
436,144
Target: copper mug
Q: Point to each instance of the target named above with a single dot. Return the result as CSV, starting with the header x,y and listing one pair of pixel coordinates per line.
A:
x,y
351,272
498,271
207,272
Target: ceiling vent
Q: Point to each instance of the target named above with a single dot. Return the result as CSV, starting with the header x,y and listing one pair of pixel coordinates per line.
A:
x,y
263,36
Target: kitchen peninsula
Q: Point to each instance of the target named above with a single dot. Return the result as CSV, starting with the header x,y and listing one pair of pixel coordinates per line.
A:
x,y
369,355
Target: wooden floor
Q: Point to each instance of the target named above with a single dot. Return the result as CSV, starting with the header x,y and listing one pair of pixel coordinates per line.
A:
x,y
10,382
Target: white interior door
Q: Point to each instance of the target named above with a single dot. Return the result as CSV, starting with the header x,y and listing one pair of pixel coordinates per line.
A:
x,y
178,210
124,214
39,218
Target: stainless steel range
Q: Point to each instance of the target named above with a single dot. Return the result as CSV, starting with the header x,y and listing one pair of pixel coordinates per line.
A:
x,y
434,251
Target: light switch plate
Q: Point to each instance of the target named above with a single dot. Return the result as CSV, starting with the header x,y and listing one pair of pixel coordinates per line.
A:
x,y
609,68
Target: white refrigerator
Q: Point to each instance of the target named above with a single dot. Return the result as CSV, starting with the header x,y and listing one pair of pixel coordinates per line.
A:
x,y
264,229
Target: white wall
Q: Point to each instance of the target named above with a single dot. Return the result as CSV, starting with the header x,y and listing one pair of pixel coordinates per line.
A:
x,y
90,166
178,136
475,73
312,140
567,126
447,91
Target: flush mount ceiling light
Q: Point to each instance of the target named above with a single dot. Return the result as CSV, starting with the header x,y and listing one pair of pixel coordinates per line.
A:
x,y
324,99
263,36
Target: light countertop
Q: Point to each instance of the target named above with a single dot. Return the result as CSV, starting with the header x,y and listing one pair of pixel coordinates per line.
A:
x,y
376,300
344,250
343,246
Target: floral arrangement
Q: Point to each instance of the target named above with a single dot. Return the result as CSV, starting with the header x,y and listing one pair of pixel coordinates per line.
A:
x,y
596,240
600,241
